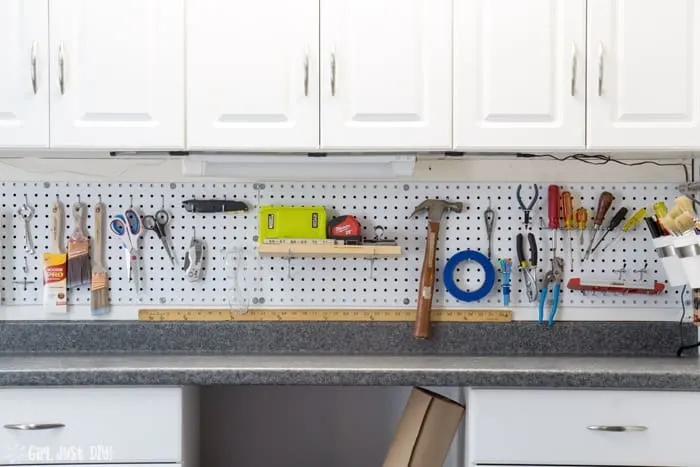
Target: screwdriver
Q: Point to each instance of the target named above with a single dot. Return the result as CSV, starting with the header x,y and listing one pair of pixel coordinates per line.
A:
x,y
581,222
604,202
630,224
660,211
614,222
567,210
553,212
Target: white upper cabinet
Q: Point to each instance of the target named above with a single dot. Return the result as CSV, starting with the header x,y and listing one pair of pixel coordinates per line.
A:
x,y
519,74
252,74
644,74
386,74
117,74
24,73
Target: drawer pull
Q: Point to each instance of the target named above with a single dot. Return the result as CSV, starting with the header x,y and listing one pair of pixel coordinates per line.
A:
x,y
617,428
34,426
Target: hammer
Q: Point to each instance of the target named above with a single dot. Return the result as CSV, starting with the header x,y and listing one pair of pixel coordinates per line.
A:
x,y
436,208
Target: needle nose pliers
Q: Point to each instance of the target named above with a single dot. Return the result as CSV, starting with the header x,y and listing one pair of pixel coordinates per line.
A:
x,y
527,208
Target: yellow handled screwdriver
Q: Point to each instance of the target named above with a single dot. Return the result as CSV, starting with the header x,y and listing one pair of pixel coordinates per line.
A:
x,y
581,222
629,225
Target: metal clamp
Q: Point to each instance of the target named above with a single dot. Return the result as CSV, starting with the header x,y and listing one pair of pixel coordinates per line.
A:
x,y
617,428
34,426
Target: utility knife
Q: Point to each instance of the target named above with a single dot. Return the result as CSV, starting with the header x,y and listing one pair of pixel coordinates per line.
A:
x,y
214,205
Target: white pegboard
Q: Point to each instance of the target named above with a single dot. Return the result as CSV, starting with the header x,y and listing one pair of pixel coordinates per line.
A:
x,y
324,282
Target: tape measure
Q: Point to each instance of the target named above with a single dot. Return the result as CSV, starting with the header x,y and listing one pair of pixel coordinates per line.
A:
x,y
356,315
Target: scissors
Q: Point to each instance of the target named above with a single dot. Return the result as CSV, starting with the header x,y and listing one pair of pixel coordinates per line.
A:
x,y
157,224
127,226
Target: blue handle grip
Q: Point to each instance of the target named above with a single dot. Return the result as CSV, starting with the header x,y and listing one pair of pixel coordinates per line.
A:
x,y
555,303
543,296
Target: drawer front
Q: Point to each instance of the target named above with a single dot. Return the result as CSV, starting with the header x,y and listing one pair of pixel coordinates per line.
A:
x,y
567,427
90,425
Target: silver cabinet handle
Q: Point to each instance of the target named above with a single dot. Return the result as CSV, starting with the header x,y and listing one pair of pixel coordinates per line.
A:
x,y
573,69
617,428
600,69
33,66
34,426
332,74
306,75
61,81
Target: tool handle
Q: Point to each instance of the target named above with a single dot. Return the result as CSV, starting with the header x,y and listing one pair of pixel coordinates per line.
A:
x,y
555,303
617,219
653,227
56,226
553,206
604,203
634,220
533,249
519,248
427,283
660,209
582,218
540,308
79,216
98,241
567,209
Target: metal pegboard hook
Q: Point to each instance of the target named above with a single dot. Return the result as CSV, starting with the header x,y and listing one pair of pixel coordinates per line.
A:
x,y
162,202
371,263
289,263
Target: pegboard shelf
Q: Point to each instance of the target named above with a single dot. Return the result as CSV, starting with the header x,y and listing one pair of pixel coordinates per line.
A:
x,y
350,251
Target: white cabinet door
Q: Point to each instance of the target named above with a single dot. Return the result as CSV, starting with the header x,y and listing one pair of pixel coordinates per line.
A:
x,y
117,74
252,74
24,73
644,74
386,74
519,74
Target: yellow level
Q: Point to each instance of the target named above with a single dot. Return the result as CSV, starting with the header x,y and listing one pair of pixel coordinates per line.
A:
x,y
379,315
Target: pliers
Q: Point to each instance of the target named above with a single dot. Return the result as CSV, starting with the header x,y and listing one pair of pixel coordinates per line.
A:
x,y
528,267
527,209
555,275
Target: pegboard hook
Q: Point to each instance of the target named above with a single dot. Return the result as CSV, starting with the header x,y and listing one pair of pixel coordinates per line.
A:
x,y
162,202
371,263
289,263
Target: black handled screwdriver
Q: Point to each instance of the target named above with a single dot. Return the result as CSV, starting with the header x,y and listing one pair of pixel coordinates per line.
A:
x,y
614,223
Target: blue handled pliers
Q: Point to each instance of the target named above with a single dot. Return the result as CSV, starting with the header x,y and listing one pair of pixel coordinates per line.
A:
x,y
554,276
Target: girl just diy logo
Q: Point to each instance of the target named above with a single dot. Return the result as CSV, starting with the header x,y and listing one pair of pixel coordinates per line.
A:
x,y
36,453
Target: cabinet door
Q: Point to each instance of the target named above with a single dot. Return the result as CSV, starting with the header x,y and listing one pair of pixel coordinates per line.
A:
x,y
24,98
252,70
117,73
520,74
643,70
386,75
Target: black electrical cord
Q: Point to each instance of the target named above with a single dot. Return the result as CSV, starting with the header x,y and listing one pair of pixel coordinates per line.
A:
x,y
682,348
601,159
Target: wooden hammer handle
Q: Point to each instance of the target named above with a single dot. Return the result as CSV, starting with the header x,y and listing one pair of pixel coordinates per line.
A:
x,y
427,283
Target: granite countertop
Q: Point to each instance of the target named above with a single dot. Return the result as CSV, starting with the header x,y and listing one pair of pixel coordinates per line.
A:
x,y
547,371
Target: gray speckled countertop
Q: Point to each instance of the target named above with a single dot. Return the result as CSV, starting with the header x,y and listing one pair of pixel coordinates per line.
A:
x,y
444,370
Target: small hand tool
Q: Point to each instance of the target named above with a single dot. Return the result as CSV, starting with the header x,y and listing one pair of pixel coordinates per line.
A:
x,y
527,208
489,218
99,284
604,203
506,267
78,250
629,225
553,213
567,210
581,223
194,258
528,267
158,224
26,212
436,208
614,223
128,227
555,275
660,211
215,205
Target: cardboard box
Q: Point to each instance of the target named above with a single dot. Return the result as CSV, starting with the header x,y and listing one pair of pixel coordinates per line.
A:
x,y
425,432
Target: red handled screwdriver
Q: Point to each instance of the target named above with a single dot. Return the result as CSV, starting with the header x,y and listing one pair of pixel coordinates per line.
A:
x,y
553,212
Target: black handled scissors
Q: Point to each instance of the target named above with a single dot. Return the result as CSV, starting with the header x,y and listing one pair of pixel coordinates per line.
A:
x,y
157,224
